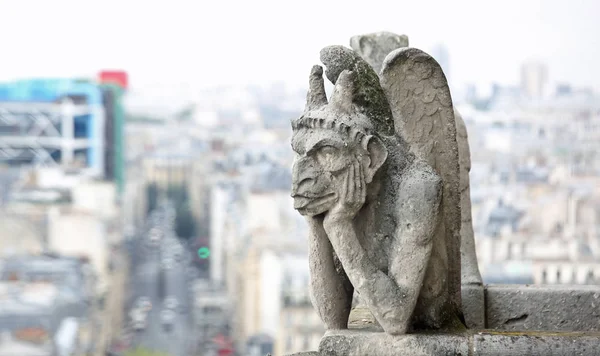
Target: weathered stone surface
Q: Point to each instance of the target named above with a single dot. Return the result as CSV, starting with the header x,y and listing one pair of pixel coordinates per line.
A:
x,y
309,353
421,104
549,308
536,344
384,215
468,257
374,47
360,343
471,343
473,303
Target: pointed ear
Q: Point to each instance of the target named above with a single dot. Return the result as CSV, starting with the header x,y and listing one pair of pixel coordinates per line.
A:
x,y
377,155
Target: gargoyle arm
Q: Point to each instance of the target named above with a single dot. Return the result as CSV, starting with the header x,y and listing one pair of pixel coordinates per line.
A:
x,y
330,290
392,298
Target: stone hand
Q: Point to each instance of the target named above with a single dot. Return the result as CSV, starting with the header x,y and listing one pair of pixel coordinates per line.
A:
x,y
352,196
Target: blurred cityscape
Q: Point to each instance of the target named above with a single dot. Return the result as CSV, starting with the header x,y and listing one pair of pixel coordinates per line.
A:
x,y
126,231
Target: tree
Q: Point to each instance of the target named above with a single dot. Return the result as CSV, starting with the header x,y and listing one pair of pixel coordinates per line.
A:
x,y
186,113
178,193
185,224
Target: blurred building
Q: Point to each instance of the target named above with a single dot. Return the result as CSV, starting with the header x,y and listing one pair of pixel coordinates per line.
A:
x,y
535,188
534,78
19,235
300,328
44,306
167,170
212,313
70,123
67,229
71,215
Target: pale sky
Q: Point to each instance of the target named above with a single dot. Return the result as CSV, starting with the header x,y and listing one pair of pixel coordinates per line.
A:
x,y
203,43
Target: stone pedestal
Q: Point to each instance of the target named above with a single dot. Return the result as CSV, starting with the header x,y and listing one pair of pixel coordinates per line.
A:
x,y
359,342
471,343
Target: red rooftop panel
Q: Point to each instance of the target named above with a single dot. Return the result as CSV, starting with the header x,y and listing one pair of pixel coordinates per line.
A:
x,y
118,77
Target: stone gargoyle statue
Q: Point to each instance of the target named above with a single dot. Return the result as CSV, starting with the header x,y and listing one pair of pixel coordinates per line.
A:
x,y
376,175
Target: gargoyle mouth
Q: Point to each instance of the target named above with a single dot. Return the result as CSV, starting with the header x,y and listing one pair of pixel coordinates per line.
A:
x,y
301,202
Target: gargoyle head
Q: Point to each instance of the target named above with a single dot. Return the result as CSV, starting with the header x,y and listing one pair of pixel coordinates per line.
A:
x,y
328,139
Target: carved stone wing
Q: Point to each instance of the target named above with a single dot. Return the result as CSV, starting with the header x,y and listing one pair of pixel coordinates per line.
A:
x,y
419,97
468,258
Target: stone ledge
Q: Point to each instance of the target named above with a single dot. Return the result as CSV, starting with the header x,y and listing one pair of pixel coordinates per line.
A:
x,y
484,343
536,344
365,343
548,308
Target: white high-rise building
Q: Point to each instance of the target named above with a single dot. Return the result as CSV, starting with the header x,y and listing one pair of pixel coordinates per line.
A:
x,y
534,76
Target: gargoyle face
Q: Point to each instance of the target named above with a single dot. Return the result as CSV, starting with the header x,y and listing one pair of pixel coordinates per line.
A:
x,y
323,158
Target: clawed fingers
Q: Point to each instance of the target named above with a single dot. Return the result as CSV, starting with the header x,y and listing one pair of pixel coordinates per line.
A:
x,y
352,194
362,188
346,187
352,182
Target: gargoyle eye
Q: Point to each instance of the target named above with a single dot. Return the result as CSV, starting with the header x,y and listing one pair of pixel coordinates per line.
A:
x,y
327,150
326,154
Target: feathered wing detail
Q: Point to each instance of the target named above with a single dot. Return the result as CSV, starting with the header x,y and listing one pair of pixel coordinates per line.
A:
x,y
418,94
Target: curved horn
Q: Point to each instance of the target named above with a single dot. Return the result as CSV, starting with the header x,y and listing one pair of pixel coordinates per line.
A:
x,y
316,97
343,91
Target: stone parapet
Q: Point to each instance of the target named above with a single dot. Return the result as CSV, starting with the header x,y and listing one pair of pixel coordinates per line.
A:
x,y
548,308
472,343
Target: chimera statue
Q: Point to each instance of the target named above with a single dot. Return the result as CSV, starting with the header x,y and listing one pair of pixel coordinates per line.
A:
x,y
376,175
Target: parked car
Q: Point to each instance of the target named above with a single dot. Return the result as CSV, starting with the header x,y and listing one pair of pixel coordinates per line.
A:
x,y
155,234
171,303
167,318
167,263
144,304
139,319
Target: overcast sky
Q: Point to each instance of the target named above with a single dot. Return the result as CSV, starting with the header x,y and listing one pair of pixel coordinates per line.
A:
x,y
207,42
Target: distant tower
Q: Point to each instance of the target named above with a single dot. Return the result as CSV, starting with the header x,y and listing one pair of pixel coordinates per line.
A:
x,y
534,76
441,55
